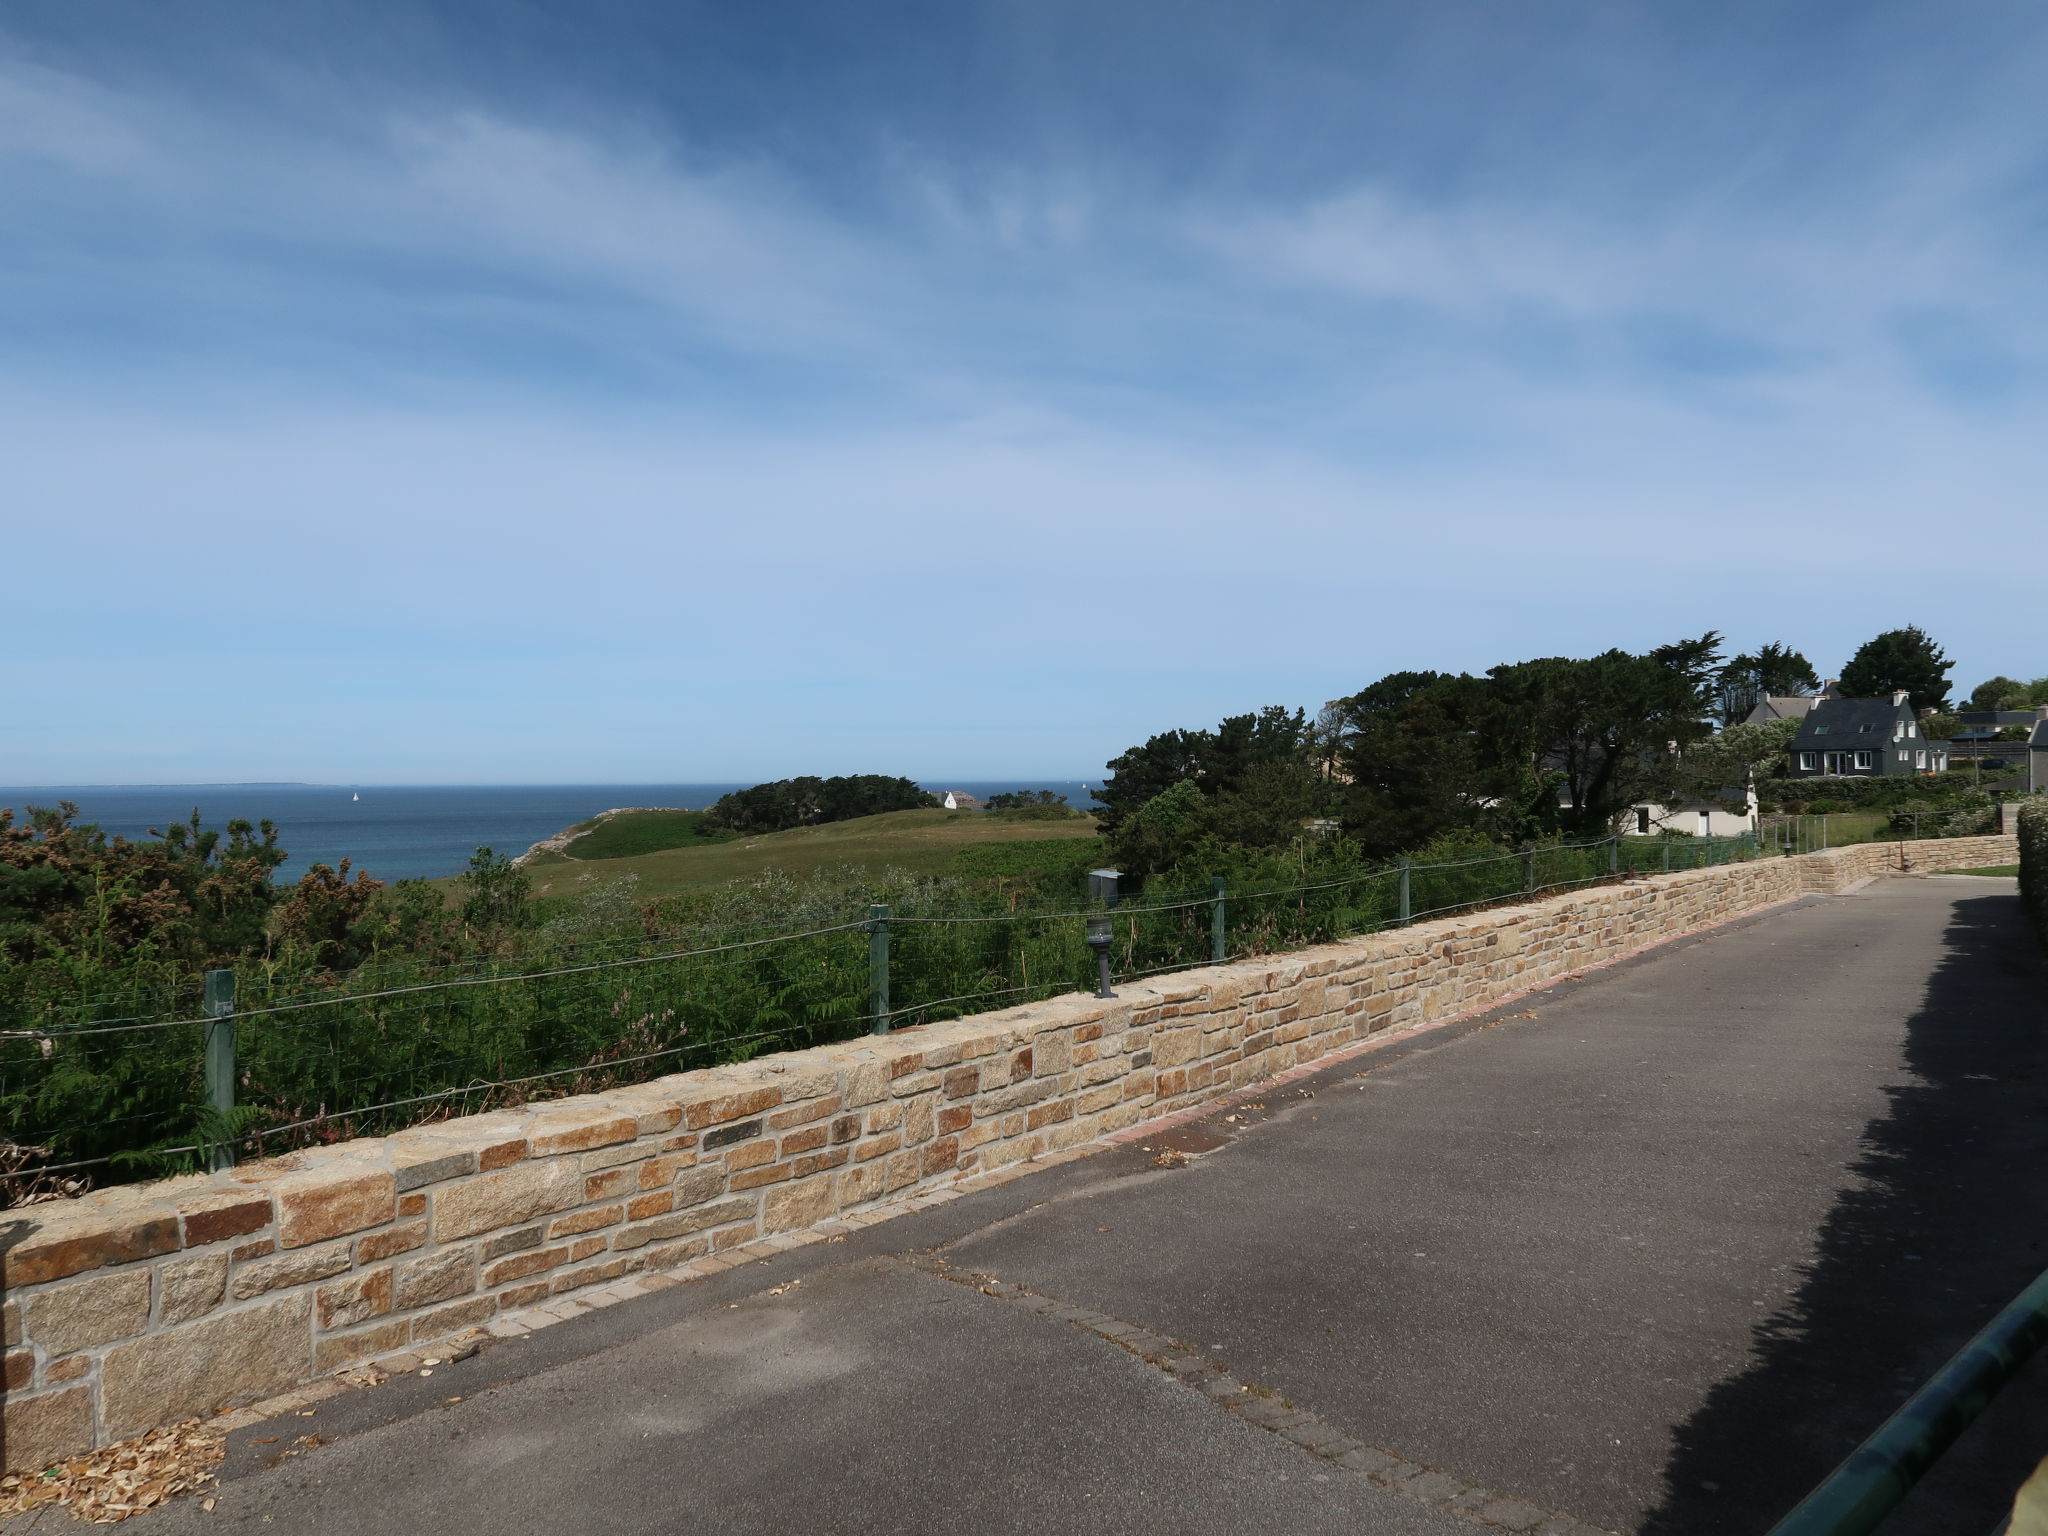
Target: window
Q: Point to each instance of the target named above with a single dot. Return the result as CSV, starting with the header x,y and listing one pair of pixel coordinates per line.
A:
x,y
1898,730
1808,761
1912,728
1643,820
1922,756
1866,729
1820,730
1905,757
1866,759
1706,823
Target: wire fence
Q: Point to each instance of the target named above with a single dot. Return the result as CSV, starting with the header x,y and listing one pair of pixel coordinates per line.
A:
x,y
189,1072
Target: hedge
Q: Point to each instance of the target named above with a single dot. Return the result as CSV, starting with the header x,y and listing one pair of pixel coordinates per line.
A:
x,y
2034,864
1880,793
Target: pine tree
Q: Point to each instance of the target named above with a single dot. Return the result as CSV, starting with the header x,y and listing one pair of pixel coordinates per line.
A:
x,y
1899,658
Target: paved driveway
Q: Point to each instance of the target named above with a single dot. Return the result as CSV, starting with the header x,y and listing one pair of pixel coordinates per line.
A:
x,y
1645,1253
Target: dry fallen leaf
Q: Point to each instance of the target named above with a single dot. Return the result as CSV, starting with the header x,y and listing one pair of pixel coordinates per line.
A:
x,y
121,1480
1170,1159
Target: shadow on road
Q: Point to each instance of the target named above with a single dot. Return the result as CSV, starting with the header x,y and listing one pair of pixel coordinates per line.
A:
x,y
1949,1222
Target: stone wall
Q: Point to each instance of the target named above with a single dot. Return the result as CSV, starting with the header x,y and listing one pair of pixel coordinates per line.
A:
x,y
132,1307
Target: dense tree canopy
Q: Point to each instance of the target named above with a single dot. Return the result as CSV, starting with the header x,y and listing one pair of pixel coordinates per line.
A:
x,y
809,802
1553,747
1254,776
1899,658
2009,693
1605,731
1414,759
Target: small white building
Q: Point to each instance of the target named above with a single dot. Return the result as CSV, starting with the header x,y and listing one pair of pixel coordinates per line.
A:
x,y
1699,818
959,800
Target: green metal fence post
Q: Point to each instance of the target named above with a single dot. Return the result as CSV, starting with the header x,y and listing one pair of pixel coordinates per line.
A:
x,y
1613,853
878,969
1665,838
1528,869
1823,832
1407,904
1218,946
220,1056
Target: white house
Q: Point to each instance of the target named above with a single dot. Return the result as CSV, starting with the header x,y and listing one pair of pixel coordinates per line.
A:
x,y
1700,818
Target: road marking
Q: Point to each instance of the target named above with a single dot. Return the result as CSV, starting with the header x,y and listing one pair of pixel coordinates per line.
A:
x,y
1267,1410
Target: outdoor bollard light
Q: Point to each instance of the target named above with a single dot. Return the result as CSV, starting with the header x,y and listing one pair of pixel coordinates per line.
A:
x,y
1101,934
1099,940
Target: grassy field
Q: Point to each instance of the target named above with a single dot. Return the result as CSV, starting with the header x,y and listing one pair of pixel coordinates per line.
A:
x,y
637,832
1991,869
923,842
1845,828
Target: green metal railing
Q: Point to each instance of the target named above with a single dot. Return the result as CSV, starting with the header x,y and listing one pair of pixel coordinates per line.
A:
x,y
1879,1473
256,1061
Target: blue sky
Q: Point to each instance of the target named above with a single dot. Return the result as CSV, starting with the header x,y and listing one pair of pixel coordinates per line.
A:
x,y
666,392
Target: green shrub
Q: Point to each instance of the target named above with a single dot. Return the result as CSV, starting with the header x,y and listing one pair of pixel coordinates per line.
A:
x,y
1879,794
2034,863
601,991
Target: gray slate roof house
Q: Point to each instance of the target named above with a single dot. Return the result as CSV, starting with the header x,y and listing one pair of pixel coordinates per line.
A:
x,y
1788,706
1770,707
1864,738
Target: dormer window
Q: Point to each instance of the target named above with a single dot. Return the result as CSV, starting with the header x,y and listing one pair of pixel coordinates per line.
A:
x,y
1866,729
1820,730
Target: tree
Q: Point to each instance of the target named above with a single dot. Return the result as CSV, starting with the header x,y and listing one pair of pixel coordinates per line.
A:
x,y
1592,737
1254,774
1899,658
806,802
1412,760
1774,671
1737,757
2009,693
1213,761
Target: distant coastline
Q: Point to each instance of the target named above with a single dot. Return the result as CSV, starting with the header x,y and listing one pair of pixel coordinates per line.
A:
x,y
399,832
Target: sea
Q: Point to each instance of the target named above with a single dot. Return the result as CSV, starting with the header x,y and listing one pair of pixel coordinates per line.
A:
x,y
404,831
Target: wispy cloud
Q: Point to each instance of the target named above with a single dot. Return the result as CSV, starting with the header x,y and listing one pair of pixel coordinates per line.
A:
x,y
407,407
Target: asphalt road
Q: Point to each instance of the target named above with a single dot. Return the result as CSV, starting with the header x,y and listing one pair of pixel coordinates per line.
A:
x,y
1650,1250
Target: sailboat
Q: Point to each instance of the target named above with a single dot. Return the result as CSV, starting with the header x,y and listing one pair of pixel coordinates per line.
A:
x,y
355,797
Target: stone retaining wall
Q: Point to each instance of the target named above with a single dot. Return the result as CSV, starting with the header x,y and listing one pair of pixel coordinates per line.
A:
x,y
129,1308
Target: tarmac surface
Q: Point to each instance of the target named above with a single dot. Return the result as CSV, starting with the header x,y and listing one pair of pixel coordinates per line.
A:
x,y
1646,1252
